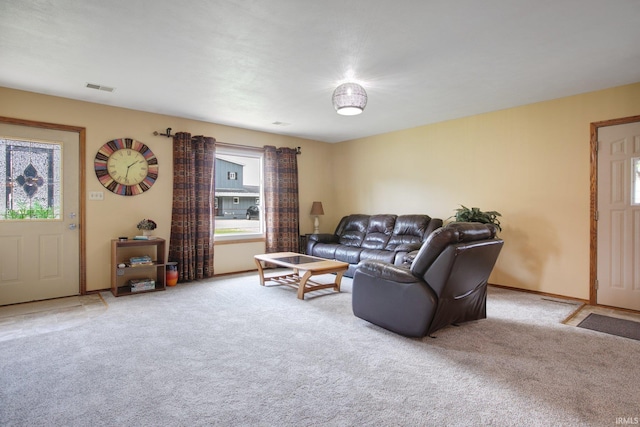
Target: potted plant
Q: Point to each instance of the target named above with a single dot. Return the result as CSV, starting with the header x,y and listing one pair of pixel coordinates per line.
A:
x,y
464,214
147,226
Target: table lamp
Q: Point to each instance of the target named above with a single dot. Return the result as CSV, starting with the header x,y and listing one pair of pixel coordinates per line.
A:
x,y
316,210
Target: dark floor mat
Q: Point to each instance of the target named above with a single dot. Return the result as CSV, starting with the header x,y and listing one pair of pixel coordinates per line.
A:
x,y
612,325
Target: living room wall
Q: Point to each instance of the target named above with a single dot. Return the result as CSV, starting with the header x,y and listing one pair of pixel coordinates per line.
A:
x,y
530,163
118,215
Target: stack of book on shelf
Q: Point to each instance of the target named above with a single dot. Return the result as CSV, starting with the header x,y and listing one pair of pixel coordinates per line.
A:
x,y
138,285
140,260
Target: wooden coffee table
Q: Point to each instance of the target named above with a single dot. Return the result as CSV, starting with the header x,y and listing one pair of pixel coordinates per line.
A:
x,y
304,267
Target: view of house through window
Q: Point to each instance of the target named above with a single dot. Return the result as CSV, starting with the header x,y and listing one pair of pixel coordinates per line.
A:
x,y
238,191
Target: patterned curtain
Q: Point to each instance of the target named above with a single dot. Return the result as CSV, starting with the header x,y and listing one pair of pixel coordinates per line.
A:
x,y
192,219
281,199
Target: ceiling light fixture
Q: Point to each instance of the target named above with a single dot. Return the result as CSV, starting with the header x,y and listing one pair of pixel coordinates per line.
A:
x,y
349,99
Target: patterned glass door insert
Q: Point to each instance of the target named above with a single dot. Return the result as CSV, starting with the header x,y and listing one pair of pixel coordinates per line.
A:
x,y
32,176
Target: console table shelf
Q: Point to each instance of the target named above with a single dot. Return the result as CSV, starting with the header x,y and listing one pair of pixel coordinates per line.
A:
x,y
121,253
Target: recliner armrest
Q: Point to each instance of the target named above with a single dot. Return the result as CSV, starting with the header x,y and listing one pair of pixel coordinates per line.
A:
x,y
387,271
324,238
408,247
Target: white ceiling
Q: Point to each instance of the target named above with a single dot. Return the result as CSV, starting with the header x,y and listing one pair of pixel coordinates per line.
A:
x,y
252,63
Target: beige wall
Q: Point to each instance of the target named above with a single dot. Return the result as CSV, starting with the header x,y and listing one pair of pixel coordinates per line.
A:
x,y
118,215
531,163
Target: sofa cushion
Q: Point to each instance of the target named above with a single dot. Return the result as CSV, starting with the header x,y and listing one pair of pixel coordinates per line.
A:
x,y
378,255
408,229
379,231
348,254
352,230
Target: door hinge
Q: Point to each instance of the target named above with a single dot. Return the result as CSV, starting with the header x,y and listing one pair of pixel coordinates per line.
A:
x,y
597,284
597,215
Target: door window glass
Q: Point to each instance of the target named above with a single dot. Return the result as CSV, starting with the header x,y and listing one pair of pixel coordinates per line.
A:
x,y
635,181
31,172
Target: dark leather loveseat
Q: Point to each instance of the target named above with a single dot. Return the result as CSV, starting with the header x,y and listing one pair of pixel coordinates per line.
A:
x,y
445,284
386,237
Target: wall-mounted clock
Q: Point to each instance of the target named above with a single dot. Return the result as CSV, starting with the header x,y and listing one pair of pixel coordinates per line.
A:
x,y
126,167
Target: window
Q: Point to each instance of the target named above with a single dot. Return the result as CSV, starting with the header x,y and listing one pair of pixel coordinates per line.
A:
x,y
31,172
238,191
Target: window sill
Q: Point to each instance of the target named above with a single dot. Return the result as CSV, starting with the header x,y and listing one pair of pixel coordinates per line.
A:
x,y
234,240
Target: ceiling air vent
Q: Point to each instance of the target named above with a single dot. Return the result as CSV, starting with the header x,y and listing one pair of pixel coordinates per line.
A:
x,y
100,87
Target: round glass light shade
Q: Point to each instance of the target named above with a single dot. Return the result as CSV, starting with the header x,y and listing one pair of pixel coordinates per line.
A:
x,y
349,99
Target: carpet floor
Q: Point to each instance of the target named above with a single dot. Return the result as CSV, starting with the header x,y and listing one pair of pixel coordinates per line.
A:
x,y
229,352
35,318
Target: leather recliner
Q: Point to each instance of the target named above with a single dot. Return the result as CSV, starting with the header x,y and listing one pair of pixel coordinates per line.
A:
x,y
446,283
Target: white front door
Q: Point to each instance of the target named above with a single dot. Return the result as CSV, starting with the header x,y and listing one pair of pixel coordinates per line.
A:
x,y
618,248
39,213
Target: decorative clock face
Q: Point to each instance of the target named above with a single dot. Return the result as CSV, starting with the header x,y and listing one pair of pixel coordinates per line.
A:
x,y
126,167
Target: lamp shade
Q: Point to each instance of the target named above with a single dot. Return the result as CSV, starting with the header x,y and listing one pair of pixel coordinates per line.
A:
x,y
349,99
316,208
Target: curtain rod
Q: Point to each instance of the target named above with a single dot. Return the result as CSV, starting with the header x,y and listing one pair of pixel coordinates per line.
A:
x,y
247,147
167,133
224,144
243,147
